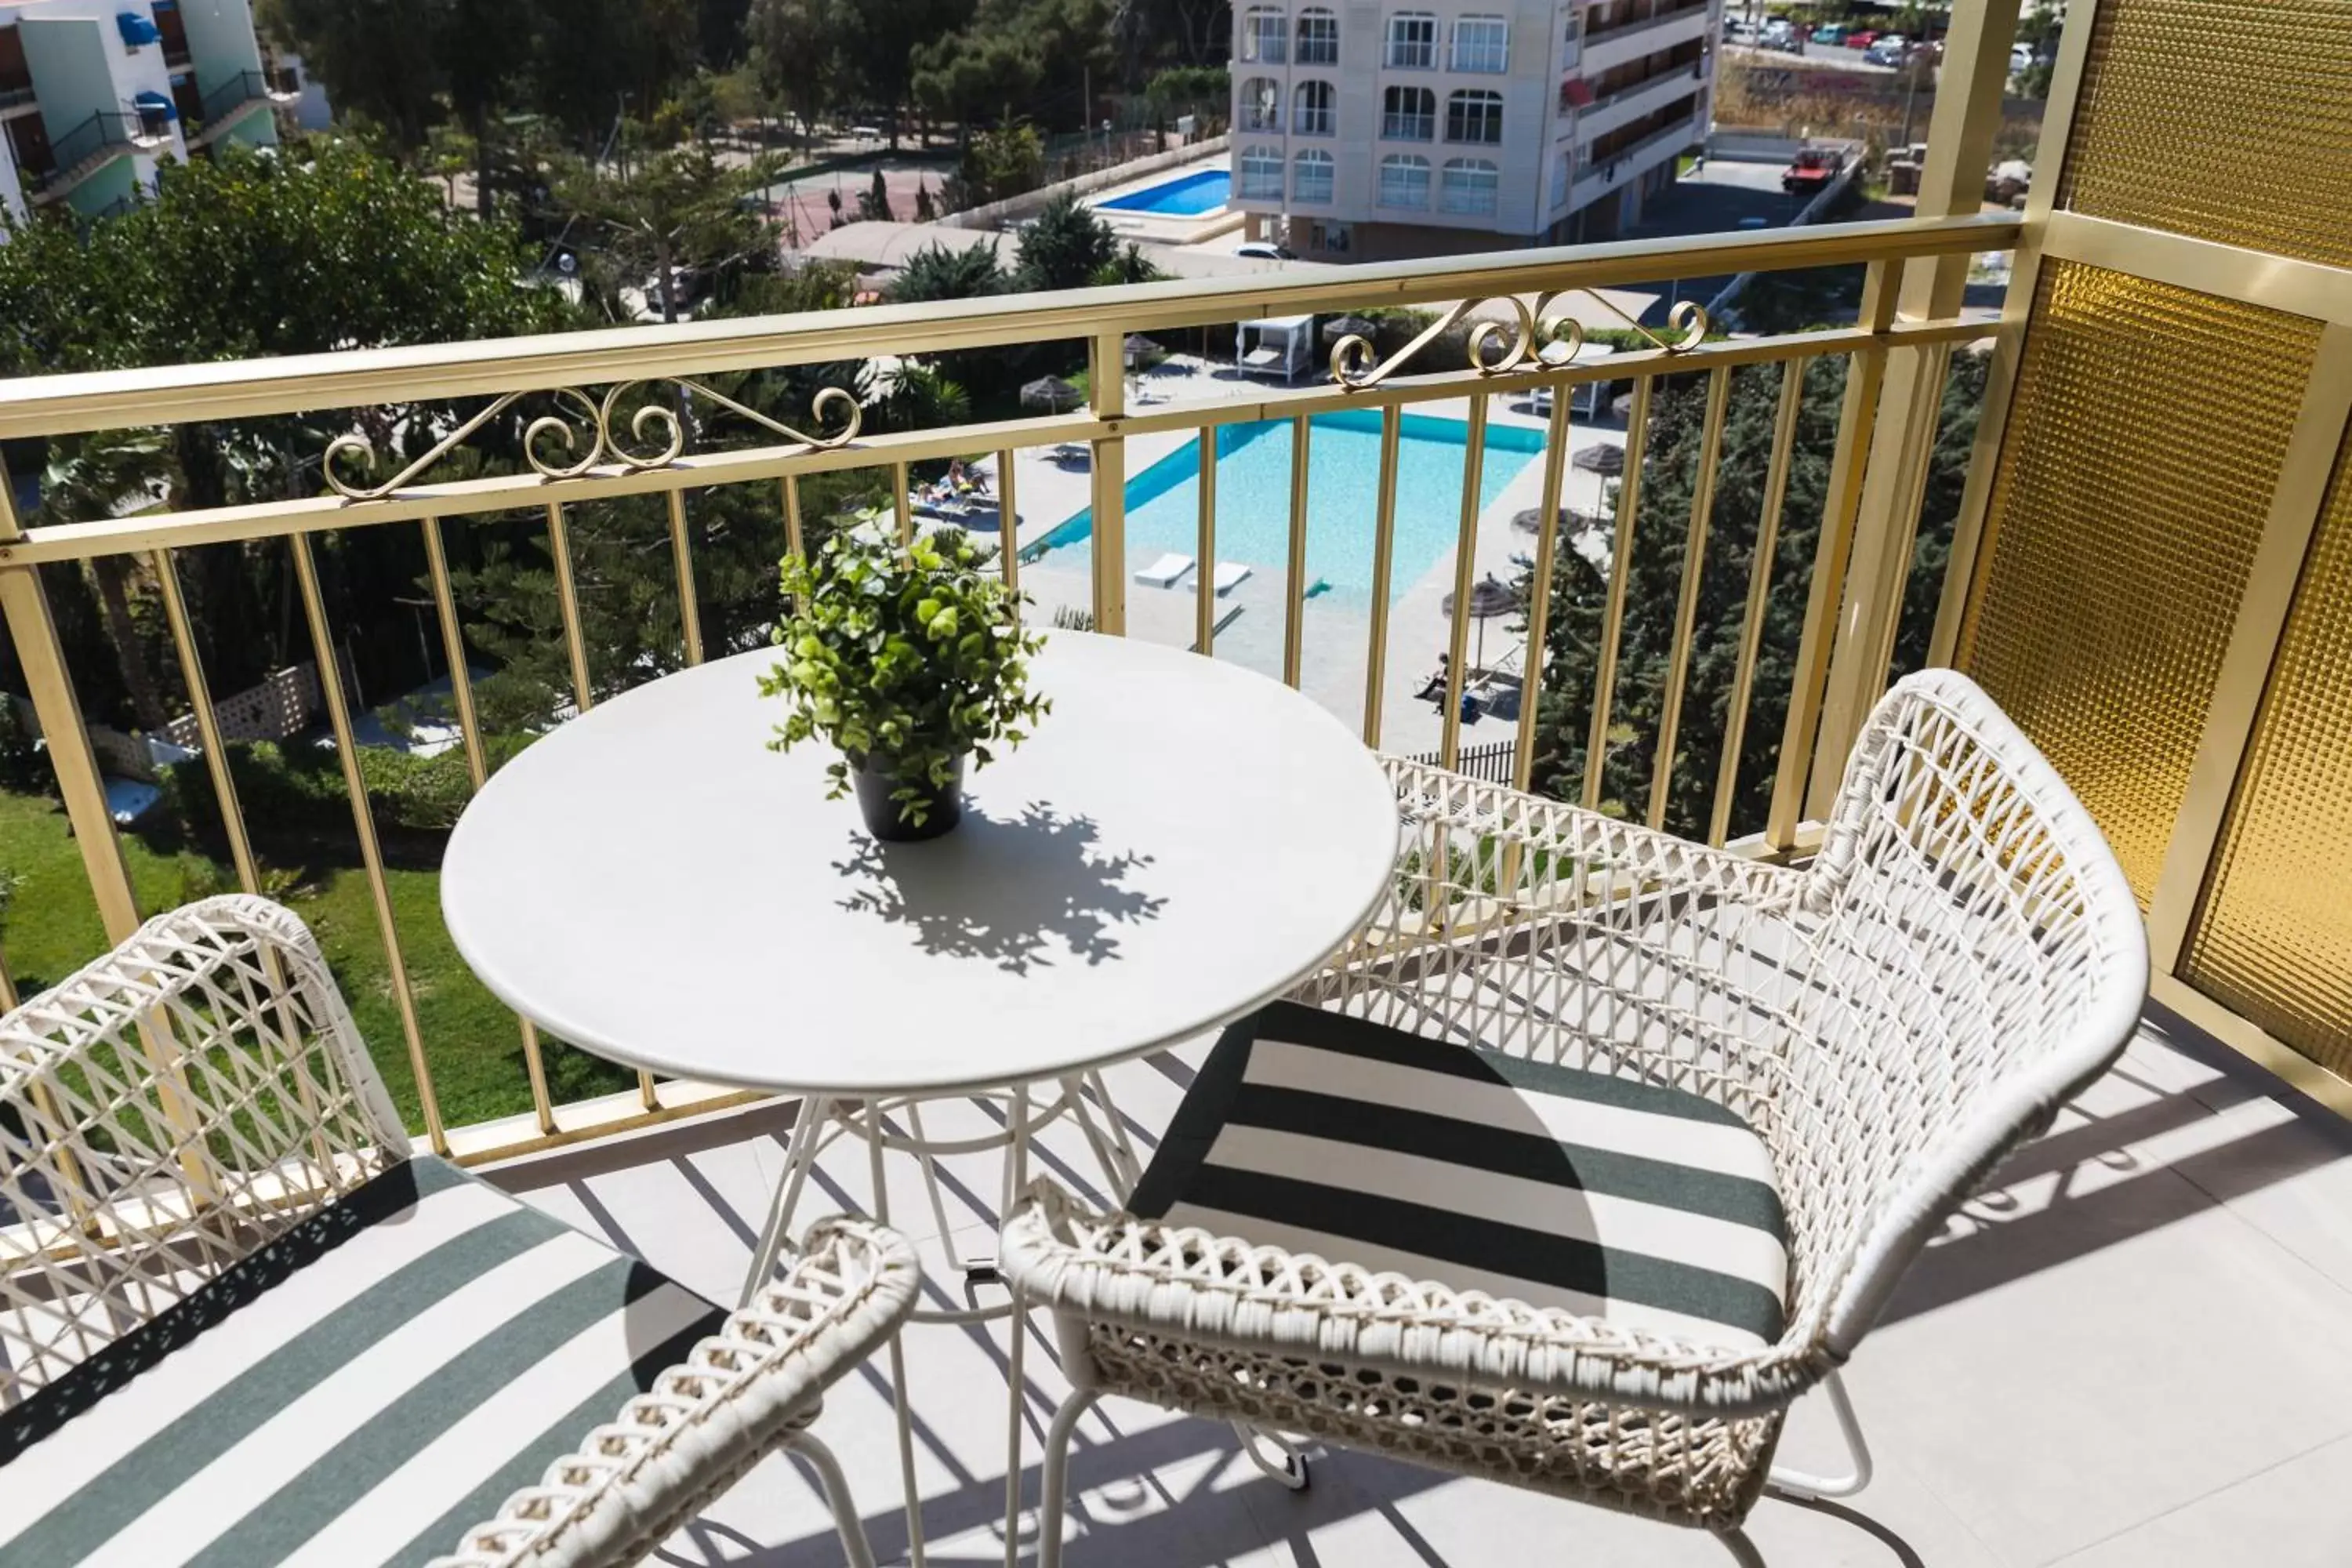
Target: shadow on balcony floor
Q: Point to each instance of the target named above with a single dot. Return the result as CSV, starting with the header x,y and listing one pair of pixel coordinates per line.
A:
x,y
2129,1351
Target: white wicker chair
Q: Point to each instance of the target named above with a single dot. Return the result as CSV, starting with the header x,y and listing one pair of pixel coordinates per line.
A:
x,y
178,1116
1963,954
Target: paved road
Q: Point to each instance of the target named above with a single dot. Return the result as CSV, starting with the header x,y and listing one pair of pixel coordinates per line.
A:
x,y
1817,56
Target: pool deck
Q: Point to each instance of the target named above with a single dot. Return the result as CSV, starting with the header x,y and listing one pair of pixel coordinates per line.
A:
x,y
1334,635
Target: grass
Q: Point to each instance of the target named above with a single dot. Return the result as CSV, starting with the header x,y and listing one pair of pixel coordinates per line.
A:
x,y
473,1044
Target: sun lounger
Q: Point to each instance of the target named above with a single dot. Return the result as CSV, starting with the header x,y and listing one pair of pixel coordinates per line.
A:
x,y
1163,572
1231,574
1072,455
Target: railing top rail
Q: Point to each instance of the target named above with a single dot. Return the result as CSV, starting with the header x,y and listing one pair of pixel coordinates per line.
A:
x,y
53,405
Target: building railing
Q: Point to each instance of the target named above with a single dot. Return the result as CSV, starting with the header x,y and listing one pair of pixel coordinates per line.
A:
x,y
240,90
1409,127
74,155
588,450
1659,18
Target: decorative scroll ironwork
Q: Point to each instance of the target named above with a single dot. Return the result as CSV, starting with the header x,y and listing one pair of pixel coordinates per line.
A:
x,y
1536,338
589,423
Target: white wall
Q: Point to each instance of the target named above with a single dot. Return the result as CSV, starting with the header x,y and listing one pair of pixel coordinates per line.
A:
x,y
220,39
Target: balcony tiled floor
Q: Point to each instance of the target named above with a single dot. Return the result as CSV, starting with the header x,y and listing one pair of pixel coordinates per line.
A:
x,y
2134,1354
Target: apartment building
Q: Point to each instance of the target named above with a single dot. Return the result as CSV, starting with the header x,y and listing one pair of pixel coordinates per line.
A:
x,y
93,93
1369,128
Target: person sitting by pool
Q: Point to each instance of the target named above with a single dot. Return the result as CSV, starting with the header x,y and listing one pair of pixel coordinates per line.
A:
x,y
1433,690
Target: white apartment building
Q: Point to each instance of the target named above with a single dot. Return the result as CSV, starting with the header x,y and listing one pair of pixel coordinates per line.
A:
x,y
1370,129
94,92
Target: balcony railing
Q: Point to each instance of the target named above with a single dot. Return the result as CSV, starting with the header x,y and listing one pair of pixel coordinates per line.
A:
x,y
222,104
1657,19
1409,127
480,395
88,147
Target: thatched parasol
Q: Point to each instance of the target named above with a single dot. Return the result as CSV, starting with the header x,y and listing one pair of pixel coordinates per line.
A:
x,y
1489,596
1052,393
1602,459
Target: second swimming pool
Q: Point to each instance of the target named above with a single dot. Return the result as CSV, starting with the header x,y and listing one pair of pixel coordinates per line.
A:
x,y
1343,475
1187,196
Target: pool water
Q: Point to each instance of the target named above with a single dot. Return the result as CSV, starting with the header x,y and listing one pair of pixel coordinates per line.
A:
x,y
1188,196
1343,476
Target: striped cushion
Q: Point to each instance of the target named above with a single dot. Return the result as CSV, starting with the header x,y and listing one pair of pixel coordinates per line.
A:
x,y
1647,1206
361,1391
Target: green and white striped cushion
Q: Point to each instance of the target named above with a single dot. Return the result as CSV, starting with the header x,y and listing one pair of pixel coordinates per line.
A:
x,y
1462,1166
359,1392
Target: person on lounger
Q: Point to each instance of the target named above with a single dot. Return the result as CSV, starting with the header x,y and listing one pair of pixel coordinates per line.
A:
x,y
1434,691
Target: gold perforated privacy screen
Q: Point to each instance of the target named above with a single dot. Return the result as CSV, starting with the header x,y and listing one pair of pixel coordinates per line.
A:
x,y
2144,442
2227,119
2274,940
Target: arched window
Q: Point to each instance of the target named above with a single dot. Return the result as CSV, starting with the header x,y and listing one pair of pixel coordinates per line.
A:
x,y
1264,34
1260,108
1404,181
1413,41
1468,185
1409,114
1311,177
1482,44
1312,109
1319,37
1474,116
1262,173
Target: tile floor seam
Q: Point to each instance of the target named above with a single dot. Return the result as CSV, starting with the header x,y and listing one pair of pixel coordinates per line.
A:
x,y
2187,1503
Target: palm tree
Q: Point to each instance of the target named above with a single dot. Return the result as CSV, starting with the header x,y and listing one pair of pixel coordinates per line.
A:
x,y
102,475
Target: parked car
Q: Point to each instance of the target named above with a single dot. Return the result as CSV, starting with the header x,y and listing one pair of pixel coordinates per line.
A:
x,y
1265,250
1829,33
1811,169
1778,30
2020,57
1890,50
1861,38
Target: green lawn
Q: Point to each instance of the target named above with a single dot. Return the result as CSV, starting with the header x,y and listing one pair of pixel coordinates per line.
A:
x,y
472,1043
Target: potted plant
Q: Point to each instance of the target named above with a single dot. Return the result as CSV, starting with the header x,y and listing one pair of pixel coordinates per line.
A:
x,y
909,659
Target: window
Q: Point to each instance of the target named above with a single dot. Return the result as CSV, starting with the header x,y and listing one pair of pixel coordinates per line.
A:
x,y
1311,177
1468,185
1404,181
1263,35
1475,117
1319,37
1413,41
1262,173
1482,44
1330,236
1312,113
1560,175
1409,114
1261,104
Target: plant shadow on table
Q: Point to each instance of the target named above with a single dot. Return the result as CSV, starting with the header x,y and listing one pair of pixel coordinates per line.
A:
x,y
1019,891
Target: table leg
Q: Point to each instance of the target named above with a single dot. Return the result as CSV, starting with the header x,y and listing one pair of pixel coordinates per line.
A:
x,y
898,1395
1113,1155
1016,1180
798,1155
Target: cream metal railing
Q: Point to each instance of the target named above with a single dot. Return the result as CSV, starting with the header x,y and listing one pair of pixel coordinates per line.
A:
x,y
1518,341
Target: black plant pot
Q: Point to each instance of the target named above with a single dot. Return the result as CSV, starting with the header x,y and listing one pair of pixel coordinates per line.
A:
x,y
944,806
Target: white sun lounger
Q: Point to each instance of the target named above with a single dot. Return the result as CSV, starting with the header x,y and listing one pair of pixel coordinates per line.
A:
x,y
1163,572
1230,575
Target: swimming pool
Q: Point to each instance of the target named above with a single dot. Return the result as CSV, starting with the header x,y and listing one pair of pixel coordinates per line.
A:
x,y
1187,197
1343,476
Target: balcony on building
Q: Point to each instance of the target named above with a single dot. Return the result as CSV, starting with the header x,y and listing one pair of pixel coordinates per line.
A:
x,y
2095,455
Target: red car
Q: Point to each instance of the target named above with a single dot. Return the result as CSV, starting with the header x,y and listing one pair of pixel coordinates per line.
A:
x,y
1861,40
1812,168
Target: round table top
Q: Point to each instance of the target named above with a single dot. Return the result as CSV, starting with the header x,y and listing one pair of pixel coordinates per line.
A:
x,y
1178,842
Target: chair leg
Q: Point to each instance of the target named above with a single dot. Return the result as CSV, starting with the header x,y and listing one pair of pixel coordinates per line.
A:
x,y
1291,1472
836,1486
1806,1488
1743,1550
1052,1495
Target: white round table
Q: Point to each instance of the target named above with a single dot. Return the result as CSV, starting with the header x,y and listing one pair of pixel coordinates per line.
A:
x,y
1178,842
